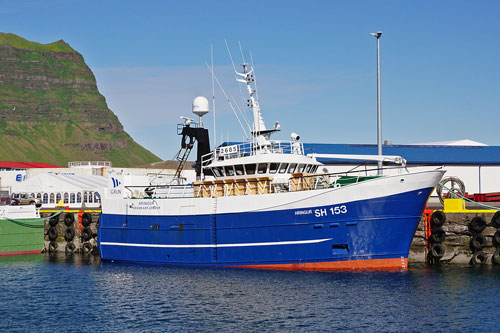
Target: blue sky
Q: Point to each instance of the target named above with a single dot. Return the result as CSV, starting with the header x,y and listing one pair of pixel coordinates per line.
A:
x,y
315,64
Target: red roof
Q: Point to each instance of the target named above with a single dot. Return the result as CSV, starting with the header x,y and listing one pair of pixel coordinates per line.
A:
x,y
25,165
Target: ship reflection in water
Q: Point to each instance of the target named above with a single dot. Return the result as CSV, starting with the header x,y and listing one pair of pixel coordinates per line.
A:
x,y
79,293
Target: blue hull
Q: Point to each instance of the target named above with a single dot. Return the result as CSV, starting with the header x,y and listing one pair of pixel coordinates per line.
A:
x,y
378,230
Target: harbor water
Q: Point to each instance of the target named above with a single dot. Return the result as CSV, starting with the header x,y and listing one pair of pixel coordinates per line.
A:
x,y
79,293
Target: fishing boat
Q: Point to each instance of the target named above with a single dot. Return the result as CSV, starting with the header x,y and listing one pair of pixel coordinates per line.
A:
x,y
21,230
266,204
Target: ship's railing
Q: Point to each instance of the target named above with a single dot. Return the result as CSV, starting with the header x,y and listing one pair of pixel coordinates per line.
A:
x,y
76,164
251,149
162,191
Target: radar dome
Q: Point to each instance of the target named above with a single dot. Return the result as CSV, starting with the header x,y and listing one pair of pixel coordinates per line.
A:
x,y
200,106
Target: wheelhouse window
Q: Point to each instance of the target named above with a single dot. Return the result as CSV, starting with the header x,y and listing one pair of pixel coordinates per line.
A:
x,y
78,197
292,167
301,168
262,168
72,198
218,172
66,197
91,197
283,167
239,169
273,167
229,170
45,198
85,195
250,168
51,197
58,197
97,197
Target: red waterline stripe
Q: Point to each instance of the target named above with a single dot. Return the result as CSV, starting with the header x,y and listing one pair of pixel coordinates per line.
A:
x,y
17,253
368,264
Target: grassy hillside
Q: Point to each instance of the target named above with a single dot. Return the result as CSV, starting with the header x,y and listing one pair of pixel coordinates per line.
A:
x,y
52,112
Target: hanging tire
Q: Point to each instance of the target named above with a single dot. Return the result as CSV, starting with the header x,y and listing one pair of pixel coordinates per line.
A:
x,y
495,259
437,235
69,234
53,247
438,218
477,225
54,220
437,250
52,233
86,219
495,220
477,242
478,258
86,248
86,234
496,239
69,218
70,248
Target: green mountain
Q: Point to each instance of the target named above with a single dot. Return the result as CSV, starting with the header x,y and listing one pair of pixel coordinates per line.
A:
x,y
51,110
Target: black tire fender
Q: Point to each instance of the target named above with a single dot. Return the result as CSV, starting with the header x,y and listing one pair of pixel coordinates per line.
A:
x,y
54,220
437,235
53,247
478,258
495,220
52,233
495,259
477,242
437,250
477,225
86,219
70,248
86,248
69,218
69,234
496,239
438,218
86,234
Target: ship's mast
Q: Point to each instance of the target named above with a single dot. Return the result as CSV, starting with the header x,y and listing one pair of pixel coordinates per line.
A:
x,y
260,133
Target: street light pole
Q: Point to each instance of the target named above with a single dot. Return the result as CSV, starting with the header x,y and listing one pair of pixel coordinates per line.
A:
x,y
379,112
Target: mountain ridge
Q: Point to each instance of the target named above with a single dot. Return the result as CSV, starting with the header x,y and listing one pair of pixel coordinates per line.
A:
x,y
52,112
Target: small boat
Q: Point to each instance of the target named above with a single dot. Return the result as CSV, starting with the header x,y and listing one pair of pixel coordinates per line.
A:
x,y
266,204
21,230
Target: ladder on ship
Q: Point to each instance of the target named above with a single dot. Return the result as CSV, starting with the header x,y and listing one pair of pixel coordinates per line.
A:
x,y
182,160
213,228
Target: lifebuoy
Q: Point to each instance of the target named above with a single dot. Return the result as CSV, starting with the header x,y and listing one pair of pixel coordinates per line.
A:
x,y
86,248
478,257
52,247
437,250
52,233
69,234
438,218
477,225
54,220
70,248
477,242
495,220
69,218
496,239
86,234
86,219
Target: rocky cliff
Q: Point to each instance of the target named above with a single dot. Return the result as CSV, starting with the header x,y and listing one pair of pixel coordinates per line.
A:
x,y
52,112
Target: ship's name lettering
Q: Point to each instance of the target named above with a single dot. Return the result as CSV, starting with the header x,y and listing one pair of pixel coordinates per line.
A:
x,y
334,210
303,212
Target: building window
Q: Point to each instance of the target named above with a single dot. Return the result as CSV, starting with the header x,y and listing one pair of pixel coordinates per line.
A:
x,y
45,198
72,198
51,198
